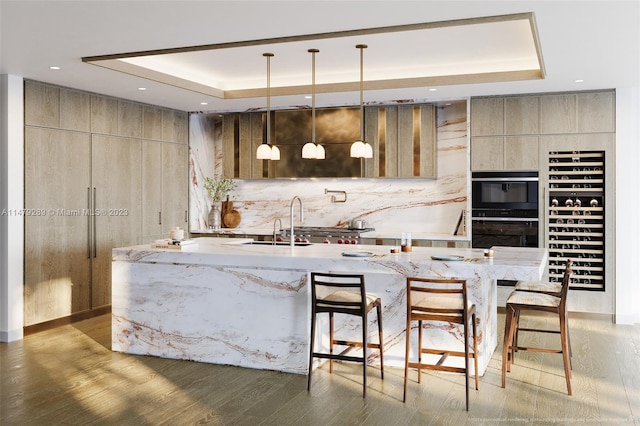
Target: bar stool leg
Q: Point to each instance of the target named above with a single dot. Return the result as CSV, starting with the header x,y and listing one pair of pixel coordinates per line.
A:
x,y
379,312
466,361
364,356
406,357
564,336
475,348
419,348
313,330
507,342
331,341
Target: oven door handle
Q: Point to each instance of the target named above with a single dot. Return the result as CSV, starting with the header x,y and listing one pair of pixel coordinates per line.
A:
x,y
506,179
504,219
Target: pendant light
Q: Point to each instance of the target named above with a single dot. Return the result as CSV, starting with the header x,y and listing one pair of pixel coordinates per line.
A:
x,y
266,151
312,149
361,148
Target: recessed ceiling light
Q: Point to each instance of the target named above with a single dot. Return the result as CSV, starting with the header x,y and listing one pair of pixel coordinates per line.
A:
x,y
579,80
142,88
53,67
433,90
204,103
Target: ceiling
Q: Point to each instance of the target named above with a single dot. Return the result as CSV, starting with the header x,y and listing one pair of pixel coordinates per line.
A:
x,y
207,55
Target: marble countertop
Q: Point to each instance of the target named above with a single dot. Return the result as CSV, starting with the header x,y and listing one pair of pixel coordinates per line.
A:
x,y
507,261
370,234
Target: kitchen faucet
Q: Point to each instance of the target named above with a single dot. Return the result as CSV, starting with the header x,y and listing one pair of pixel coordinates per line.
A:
x,y
291,242
274,229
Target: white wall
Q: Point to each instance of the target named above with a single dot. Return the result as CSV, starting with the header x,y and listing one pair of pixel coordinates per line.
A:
x,y
11,205
627,225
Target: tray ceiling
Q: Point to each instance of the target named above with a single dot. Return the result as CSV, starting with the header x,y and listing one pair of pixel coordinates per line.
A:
x,y
478,50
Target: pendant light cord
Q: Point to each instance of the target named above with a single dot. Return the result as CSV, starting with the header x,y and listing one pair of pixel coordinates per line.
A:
x,y
313,94
362,47
268,56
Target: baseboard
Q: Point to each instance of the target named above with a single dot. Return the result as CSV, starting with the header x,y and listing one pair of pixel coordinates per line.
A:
x,y
58,322
11,336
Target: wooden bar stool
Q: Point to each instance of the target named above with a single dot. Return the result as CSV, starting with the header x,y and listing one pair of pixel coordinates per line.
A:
x,y
544,287
522,301
343,294
443,300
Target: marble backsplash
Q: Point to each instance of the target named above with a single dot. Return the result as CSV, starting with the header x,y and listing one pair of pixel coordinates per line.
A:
x,y
391,206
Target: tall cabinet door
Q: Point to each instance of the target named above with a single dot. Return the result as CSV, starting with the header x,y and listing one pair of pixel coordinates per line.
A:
x,y
117,191
175,191
57,185
152,215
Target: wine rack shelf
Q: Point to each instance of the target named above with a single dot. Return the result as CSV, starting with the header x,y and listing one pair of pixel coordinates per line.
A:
x,y
576,217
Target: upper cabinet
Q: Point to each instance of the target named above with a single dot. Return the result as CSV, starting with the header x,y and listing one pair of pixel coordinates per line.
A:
x,y
403,140
578,113
505,131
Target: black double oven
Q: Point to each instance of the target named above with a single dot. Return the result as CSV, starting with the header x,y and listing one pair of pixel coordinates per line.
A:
x,y
504,209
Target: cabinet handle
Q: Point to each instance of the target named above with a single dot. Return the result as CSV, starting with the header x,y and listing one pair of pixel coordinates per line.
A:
x,y
95,244
89,223
159,218
186,216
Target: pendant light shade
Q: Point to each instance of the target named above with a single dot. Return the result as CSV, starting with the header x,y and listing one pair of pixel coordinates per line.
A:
x,y
361,148
275,153
309,150
266,151
313,150
263,152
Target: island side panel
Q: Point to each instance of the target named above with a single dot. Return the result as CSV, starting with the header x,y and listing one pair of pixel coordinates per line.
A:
x,y
253,271
245,317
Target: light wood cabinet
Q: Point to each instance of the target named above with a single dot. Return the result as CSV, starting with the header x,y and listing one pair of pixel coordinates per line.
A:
x,y
409,133
505,131
521,153
75,110
151,190
104,115
505,153
487,116
41,105
165,172
175,127
175,192
88,207
88,161
558,114
596,112
487,153
117,192
578,113
521,115
57,251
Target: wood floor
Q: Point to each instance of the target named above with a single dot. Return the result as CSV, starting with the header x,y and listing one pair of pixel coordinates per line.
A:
x,y
69,376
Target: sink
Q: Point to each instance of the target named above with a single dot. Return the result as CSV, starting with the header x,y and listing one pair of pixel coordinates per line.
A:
x,y
277,243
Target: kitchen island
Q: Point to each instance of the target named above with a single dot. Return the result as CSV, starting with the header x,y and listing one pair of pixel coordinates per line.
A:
x,y
227,302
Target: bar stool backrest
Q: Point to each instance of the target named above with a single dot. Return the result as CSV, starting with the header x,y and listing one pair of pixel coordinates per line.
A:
x,y
448,299
342,293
